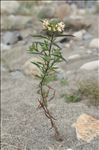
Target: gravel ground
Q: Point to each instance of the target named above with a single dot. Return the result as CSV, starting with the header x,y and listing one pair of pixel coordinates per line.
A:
x,y
23,123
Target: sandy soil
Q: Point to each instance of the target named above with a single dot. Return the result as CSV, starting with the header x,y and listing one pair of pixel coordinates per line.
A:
x,y
23,123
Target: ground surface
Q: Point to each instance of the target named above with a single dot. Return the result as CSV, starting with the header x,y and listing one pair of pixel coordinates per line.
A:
x,y
22,122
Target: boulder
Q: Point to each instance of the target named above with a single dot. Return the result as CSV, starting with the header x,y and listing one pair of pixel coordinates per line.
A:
x,y
76,23
62,11
87,127
15,22
5,47
79,34
93,65
82,12
87,36
46,12
10,38
94,43
30,69
9,7
73,57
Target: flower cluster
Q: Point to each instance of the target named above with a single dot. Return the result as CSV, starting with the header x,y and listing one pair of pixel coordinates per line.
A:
x,y
52,26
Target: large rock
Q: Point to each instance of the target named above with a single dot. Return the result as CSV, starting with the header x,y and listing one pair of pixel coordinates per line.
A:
x,y
87,127
30,69
15,22
10,38
62,11
79,34
73,57
46,12
94,43
5,47
76,23
93,65
87,36
9,7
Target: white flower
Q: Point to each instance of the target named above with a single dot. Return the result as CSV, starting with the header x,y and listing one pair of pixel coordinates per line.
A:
x,y
45,24
49,28
59,29
60,26
53,27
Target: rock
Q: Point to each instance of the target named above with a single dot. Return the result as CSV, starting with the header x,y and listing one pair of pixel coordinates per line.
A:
x,y
62,39
79,34
62,11
3,69
15,22
97,50
88,51
10,38
9,7
72,57
93,65
46,12
76,23
67,45
74,9
94,43
87,127
17,74
87,36
31,69
5,47
82,12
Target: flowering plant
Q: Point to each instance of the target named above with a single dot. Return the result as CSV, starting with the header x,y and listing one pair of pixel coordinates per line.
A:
x,y
50,54
53,26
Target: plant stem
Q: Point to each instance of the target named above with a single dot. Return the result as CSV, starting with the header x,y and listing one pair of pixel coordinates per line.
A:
x,y
44,100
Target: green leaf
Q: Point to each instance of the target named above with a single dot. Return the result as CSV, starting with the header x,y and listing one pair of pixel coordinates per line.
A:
x,y
36,53
67,35
40,36
46,58
40,77
38,65
64,59
56,45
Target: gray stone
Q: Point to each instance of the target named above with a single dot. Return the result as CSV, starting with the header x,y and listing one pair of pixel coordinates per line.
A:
x,y
17,74
90,65
30,69
87,36
15,22
72,57
9,7
46,12
5,47
94,43
10,38
79,35
76,23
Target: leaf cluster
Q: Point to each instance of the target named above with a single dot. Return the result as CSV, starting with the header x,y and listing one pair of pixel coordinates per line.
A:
x,y
50,54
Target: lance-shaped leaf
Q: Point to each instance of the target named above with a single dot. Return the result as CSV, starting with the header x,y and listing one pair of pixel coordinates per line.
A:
x,y
67,35
38,76
46,58
37,64
36,53
64,59
40,36
56,45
